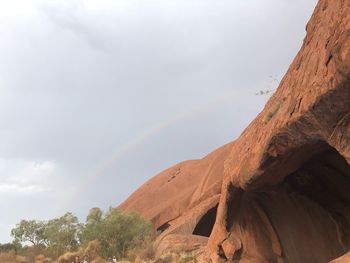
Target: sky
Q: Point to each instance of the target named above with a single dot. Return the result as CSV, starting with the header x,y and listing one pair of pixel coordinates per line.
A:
x,y
97,96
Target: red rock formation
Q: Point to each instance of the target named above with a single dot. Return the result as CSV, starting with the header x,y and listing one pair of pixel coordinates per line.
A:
x,y
181,244
285,194
343,259
177,190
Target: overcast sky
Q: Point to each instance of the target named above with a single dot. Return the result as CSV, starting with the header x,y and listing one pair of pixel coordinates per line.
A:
x,y
97,96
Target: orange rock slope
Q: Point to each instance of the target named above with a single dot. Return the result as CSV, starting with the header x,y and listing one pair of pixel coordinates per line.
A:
x,y
281,191
185,186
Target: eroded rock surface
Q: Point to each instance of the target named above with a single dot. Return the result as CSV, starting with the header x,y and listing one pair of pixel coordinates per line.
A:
x,y
176,243
191,187
281,191
343,259
284,196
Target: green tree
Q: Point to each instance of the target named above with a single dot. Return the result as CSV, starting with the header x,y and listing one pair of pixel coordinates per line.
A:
x,y
117,231
121,231
10,246
94,216
90,230
29,231
62,233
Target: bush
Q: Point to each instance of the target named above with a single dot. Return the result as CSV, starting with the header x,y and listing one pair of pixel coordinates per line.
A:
x,y
11,257
9,247
120,232
143,250
92,250
42,259
63,238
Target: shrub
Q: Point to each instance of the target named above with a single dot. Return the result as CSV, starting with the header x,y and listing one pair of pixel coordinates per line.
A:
x,y
42,259
143,250
11,257
64,238
117,231
121,232
92,250
9,247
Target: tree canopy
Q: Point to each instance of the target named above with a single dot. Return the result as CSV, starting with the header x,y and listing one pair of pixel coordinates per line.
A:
x,y
115,230
29,231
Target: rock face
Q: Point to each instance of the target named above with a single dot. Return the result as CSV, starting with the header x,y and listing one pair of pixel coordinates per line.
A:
x,y
281,191
343,259
181,244
182,188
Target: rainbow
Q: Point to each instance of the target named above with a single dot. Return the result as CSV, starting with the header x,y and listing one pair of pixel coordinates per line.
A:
x,y
145,135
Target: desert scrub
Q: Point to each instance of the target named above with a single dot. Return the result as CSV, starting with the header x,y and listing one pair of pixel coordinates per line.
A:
x,y
115,232
143,251
60,240
11,257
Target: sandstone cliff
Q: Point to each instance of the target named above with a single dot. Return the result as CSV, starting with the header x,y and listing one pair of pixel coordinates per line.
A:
x,y
281,191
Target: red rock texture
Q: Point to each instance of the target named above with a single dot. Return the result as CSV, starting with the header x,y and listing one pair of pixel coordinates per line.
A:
x,y
180,189
283,187
285,193
343,259
181,244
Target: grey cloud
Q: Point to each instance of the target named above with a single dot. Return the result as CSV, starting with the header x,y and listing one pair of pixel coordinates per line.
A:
x,y
113,93
67,18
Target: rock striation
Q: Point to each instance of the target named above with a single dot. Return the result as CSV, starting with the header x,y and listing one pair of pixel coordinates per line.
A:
x,y
281,191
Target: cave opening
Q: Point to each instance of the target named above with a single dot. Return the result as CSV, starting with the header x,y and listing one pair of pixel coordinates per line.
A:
x,y
305,218
206,223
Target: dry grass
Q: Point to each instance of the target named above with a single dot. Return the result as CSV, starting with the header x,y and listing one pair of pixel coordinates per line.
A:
x,y
91,250
42,259
176,258
11,257
143,252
